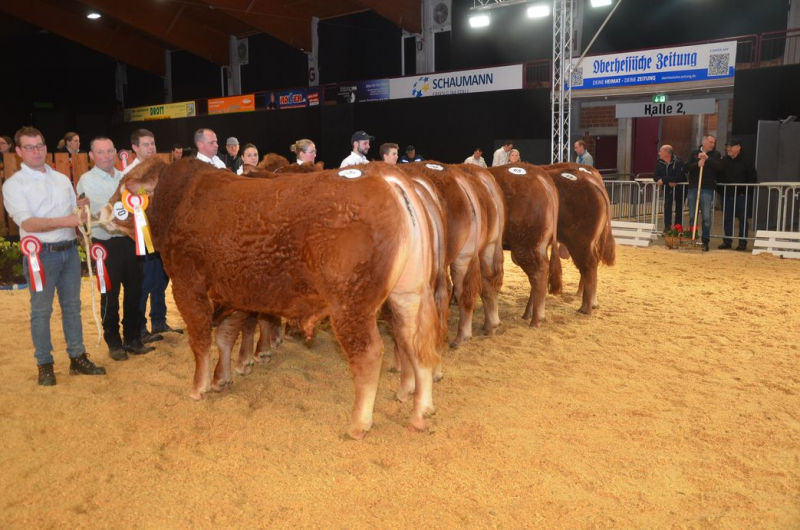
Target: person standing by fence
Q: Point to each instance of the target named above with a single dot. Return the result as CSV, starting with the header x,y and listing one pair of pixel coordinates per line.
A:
x,y
669,175
706,158
737,169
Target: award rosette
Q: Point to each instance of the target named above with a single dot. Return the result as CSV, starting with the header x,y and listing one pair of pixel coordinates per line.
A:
x,y
123,158
30,247
137,204
99,254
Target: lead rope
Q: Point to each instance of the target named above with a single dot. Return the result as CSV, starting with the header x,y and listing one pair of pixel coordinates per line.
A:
x,y
86,231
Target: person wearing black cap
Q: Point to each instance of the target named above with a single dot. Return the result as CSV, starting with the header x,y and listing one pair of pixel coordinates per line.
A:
x,y
411,155
359,142
737,169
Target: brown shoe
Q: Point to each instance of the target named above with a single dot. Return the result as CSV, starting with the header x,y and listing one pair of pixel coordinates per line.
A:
x,y
118,354
46,375
82,365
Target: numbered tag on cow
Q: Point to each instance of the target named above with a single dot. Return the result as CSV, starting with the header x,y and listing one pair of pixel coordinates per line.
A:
x,y
569,176
350,173
435,167
120,212
517,170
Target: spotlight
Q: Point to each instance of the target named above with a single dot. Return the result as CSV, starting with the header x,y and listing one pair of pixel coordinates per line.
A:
x,y
93,16
538,11
479,21
601,3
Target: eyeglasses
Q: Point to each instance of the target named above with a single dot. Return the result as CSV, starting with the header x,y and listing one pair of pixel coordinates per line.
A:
x,y
311,151
32,148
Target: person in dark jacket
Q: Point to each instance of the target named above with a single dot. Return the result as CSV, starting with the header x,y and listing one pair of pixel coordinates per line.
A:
x,y
737,169
669,175
709,160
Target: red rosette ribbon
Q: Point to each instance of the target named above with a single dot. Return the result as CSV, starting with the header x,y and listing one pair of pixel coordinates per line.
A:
x,y
30,247
123,158
137,204
99,254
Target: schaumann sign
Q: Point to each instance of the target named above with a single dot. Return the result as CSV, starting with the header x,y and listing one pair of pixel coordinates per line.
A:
x,y
463,82
664,65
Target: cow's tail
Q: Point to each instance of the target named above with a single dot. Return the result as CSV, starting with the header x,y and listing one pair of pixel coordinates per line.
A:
x,y
554,277
424,335
606,245
472,282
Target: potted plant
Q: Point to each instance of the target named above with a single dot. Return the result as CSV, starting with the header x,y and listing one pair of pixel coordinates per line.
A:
x,y
686,236
672,237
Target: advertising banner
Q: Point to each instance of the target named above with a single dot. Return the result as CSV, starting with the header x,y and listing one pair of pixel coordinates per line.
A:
x,y
314,97
167,111
665,65
293,99
244,103
463,82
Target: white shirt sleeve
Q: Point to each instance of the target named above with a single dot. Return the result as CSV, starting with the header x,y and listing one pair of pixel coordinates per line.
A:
x,y
15,201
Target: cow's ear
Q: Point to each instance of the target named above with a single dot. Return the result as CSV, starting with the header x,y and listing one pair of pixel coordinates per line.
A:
x,y
144,178
319,166
248,168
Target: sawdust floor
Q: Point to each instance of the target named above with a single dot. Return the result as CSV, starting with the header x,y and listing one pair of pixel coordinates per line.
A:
x,y
677,405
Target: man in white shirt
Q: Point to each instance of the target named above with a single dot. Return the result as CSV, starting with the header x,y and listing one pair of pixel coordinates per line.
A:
x,y
41,201
207,146
99,185
359,142
143,144
476,158
501,155
582,155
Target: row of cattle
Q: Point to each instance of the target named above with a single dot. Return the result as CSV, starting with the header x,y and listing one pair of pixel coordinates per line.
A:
x,y
289,243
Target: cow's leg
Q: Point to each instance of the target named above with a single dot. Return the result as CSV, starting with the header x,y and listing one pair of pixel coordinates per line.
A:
x,y
466,269
589,284
195,308
246,361
534,264
226,335
360,339
492,280
414,328
272,327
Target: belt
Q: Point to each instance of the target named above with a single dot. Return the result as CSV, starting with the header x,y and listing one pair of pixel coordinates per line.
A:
x,y
59,247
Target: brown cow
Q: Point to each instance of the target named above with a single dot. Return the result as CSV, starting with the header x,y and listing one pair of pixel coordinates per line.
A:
x,y
467,234
531,227
338,243
584,224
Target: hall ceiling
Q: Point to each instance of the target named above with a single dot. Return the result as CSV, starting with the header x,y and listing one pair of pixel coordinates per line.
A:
x,y
140,33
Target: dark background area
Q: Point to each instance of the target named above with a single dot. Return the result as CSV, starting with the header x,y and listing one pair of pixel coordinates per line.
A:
x,y
59,85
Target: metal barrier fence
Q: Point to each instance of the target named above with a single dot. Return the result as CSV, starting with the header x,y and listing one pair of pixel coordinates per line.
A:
x,y
767,206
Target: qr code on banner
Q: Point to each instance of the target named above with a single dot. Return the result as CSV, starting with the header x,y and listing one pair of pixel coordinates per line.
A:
x,y
576,78
718,64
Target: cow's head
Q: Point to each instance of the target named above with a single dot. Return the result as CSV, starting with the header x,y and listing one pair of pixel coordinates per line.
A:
x,y
142,180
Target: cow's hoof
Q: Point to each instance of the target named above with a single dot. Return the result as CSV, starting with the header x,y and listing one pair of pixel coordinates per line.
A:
x,y
263,355
245,368
418,425
585,311
535,323
195,396
438,376
220,386
458,342
527,315
404,396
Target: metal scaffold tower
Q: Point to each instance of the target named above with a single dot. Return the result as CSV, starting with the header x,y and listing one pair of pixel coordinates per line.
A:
x,y
561,94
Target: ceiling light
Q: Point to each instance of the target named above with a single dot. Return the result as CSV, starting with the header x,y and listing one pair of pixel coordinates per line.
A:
x,y
93,16
538,11
479,21
601,3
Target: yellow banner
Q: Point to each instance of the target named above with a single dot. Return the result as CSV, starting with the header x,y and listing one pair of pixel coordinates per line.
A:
x,y
167,111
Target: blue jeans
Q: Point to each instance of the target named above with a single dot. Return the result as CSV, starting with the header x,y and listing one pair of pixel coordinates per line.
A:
x,y
154,284
739,210
62,272
706,209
